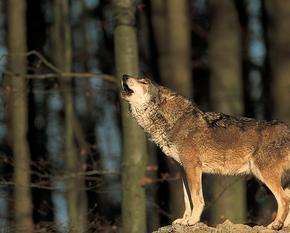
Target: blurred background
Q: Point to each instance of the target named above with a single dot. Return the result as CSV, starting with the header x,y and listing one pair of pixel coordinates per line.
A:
x,y
71,157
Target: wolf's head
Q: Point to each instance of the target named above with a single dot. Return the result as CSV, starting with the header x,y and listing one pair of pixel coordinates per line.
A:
x,y
138,91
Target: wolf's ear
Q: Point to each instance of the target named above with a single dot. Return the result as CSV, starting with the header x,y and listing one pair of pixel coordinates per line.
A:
x,y
148,80
145,81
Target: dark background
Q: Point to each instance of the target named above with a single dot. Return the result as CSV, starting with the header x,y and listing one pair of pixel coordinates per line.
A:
x,y
229,56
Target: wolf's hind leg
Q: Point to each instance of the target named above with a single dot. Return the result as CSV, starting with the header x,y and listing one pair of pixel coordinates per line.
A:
x,y
273,181
287,220
187,210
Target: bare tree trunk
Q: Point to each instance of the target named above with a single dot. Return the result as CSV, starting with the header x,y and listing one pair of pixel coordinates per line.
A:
x,y
62,56
226,96
152,189
17,64
279,38
171,25
134,143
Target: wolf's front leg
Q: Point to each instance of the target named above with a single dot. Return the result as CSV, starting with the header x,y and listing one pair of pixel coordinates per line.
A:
x,y
194,175
187,211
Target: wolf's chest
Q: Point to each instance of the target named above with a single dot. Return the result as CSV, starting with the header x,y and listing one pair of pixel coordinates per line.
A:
x,y
156,126
160,138
172,152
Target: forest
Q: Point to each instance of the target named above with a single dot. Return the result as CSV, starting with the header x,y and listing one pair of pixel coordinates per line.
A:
x,y
72,158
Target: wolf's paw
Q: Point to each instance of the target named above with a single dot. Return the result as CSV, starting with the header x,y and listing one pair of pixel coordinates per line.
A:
x,y
184,219
192,221
276,225
189,221
181,221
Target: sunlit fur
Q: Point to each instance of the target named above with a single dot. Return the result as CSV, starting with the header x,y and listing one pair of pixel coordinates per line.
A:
x,y
211,142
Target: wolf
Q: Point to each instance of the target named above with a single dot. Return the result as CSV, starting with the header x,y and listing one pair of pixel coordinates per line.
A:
x,y
211,142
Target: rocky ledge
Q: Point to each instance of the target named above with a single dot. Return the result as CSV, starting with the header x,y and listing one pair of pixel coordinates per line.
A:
x,y
226,227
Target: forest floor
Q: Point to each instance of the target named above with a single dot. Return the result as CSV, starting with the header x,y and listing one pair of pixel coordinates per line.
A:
x,y
226,227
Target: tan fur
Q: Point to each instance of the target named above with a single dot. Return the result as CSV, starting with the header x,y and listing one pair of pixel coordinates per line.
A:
x,y
211,142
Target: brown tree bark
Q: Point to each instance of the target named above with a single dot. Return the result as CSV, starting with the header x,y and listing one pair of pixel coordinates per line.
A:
x,y
62,57
134,142
279,40
171,27
17,65
226,96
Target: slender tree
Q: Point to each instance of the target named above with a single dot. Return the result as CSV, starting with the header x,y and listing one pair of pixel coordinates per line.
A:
x,y
145,46
226,97
279,38
17,64
134,143
171,26
37,106
62,57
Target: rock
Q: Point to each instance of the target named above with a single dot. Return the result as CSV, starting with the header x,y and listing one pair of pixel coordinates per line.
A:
x,y
226,227
177,228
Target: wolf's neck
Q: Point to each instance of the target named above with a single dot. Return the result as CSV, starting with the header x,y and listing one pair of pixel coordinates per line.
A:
x,y
159,119
151,120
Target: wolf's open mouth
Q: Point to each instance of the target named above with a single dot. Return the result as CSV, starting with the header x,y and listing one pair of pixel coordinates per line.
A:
x,y
126,89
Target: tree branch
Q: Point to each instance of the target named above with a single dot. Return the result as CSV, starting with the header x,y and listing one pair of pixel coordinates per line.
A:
x,y
104,77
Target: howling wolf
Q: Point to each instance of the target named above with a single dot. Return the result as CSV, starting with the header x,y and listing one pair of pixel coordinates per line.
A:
x,y
211,142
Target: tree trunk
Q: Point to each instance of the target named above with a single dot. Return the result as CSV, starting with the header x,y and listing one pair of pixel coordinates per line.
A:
x,y
171,26
226,97
134,141
279,38
17,65
145,50
62,56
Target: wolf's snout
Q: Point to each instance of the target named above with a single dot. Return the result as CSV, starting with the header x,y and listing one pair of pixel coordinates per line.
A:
x,y
125,77
126,90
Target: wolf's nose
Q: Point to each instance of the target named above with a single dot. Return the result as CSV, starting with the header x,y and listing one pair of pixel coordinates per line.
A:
x,y
125,77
